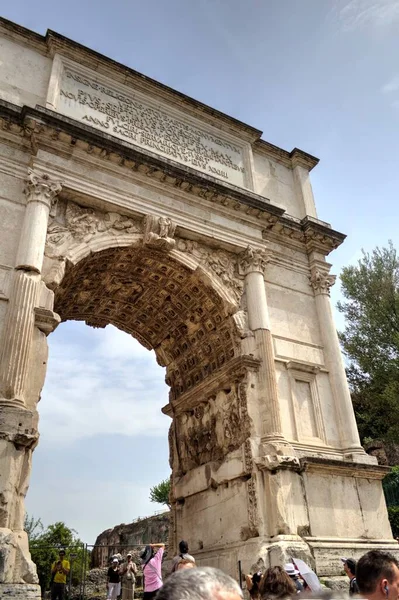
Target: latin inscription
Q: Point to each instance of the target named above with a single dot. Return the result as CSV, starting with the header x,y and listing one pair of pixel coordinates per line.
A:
x,y
130,118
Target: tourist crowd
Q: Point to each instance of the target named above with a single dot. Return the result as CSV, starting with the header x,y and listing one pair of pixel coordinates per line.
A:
x,y
374,577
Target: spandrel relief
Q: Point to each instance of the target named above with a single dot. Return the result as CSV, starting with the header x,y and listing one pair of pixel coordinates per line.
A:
x,y
220,262
74,223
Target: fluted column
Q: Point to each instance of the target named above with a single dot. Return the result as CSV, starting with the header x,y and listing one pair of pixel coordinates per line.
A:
x,y
252,265
41,193
321,282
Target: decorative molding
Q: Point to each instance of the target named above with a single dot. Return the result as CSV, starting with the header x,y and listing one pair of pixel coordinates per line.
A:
x,y
339,468
306,374
40,188
275,462
304,367
253,260
159,233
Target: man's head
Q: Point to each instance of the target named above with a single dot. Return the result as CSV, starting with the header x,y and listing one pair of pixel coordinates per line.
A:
x,y
129,557
185,564
203,583
349,567
377,575
183,547
115,562
62,554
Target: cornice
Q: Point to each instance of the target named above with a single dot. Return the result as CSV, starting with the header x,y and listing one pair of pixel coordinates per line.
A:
x,y
48,129
326,466
289,159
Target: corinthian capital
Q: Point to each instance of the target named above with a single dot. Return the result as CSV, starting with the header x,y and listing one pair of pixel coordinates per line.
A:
x,y
40,188
253,260
321,281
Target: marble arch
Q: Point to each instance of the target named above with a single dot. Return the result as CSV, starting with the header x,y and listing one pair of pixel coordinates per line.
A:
x,y
124,201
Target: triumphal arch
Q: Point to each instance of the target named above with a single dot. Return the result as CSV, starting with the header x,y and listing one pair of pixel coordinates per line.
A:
x,y
125,202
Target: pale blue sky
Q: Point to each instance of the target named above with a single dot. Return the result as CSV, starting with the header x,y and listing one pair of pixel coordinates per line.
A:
x,y
321,75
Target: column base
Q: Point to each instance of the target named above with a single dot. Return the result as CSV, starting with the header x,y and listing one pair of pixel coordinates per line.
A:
x,y
22,591
11,402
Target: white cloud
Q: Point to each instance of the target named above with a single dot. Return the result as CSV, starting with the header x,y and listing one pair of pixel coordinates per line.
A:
x,y
106,384
358,14
391,86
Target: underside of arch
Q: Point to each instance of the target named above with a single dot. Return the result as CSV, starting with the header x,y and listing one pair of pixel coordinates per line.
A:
x,y
161,302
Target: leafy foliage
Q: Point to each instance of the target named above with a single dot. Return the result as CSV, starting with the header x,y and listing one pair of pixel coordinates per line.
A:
x,y
44,545
371,342
393,514
160,493
390,486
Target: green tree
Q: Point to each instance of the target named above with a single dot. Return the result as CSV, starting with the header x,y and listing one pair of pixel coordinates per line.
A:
x,y
371,342
45,546
33,527
160,493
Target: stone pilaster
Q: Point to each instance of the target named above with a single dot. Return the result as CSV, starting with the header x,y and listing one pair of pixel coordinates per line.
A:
x,y
321,282
41,193
252,265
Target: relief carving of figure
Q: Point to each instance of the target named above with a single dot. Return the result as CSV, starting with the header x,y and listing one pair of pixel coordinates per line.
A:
x,y
75,223
159,232
221,262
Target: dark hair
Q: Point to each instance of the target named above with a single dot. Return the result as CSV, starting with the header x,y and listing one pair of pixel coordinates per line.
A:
x,y
372,567
351,564
202,583
276,582
183,547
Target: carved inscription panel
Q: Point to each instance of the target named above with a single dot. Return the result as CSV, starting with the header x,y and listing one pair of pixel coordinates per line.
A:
x,y
129,115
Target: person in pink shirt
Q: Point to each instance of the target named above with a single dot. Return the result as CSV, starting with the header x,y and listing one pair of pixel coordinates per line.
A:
x,y
152,563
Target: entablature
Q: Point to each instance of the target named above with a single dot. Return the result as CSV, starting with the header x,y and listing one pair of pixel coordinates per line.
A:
x,y
43,128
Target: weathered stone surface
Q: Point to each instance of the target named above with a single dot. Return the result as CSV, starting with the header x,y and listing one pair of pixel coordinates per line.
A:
x,y
125,538
179,225
20,591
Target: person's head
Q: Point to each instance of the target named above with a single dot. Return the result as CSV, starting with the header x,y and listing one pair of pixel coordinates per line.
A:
x,y
128,557
62,554
377,575
291,570
202,583
183,547
349,567
276,582
253,582
115,562
147,554
184,564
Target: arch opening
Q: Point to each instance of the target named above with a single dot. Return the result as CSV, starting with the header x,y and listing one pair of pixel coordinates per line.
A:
x,y
164,304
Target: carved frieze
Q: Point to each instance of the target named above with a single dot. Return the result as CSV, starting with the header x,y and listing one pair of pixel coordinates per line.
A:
x,y
211,430
221,263
159,232
75,223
